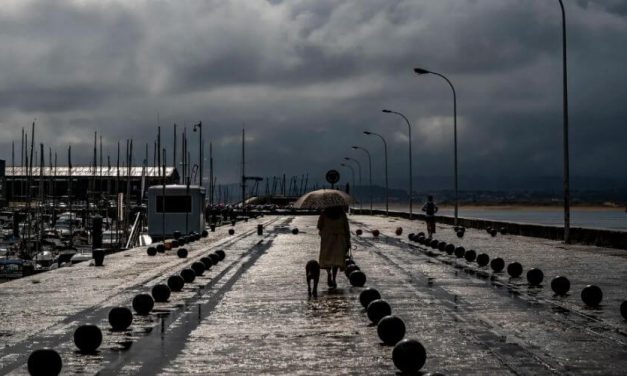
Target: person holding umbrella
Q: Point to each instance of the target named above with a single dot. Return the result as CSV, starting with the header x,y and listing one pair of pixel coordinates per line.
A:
x,y
334,241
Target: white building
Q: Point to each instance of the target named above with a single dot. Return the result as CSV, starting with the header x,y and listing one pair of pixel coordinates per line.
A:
x,y
175,208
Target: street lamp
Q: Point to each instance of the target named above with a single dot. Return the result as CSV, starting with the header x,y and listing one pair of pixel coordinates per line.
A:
x,y
411,178
369,172
359,170
565,137
385,150
420,71
199,126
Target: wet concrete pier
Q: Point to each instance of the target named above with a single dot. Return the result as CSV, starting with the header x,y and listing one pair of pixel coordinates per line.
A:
x,y
250,313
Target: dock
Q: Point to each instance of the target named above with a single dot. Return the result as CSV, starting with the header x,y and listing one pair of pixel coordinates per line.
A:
x,y
250,313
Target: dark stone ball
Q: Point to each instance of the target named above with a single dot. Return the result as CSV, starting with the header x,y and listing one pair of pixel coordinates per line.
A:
x,y
503,230
497,264
181,241
357,278
442,246
368,295
483,259
207,262
623,309
376,233
535,276
205,233
176,283
460,234
420,239
592,295
514,269
120,318
160,248
358,232
188,275
221,254
151,251
493,232
214,258
143,304
182,252
409,356
412,237
44,362
351,268
177,234
87,338
161,293
197,236
198,267
391,329
560,285
450,249
399,231
421,234
231,231
470,255
460,252
378,309
174,243
295,231
434,243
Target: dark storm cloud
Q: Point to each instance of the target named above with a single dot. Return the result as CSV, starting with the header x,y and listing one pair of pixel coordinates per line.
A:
x,y
306,77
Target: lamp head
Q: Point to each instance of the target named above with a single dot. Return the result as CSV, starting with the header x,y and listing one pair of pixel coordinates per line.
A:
x,y
386,111
420,71
347,159
355,147
367,132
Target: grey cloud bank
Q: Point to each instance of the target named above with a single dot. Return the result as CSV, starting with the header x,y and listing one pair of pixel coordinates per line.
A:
x,y
307,77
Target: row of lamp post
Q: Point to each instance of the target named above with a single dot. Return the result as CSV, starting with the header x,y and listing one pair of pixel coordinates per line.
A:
x,y
420,72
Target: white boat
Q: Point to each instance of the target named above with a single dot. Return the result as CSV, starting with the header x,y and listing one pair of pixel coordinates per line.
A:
x,y
80,257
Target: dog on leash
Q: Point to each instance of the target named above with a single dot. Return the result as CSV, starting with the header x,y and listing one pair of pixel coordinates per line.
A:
x,y
312,270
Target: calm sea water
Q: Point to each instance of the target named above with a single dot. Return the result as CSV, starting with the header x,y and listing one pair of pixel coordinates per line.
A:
x,y
606,218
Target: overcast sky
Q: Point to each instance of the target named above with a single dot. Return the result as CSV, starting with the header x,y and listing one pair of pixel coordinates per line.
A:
x,y
306,77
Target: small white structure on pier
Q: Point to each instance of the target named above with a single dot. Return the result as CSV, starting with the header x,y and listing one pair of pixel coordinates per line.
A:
x,y
175,208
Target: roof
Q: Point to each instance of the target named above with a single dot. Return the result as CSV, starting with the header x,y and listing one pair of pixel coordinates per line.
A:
x,y
83,171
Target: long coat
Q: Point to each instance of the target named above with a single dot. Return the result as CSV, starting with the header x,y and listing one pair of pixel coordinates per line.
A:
x,y
334,241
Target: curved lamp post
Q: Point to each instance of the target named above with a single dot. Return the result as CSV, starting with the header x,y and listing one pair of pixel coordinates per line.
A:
x,y
411,178
369,172
565,131
420,71
359,170
385,150
352,171
200,156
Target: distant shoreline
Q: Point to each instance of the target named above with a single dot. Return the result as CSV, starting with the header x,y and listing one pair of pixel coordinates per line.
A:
x,y
509,207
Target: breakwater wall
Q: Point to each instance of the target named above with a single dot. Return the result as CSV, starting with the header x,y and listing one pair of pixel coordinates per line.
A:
x,y
579,235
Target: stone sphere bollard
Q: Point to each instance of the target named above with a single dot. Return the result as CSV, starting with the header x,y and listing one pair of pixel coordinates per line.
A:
x,y
176,235
514,269
151,251
398,231
359,232
503,230
460,234
120,318
221,254
357,278
592,295
623,309
368,295
207,262
421,234
376,233
198,268
188,275
434,243
87,338
181,241
231,231
450,249
420,239
160,248
160,293
493,232
460,252
391,329
483,259
412,237
409,356
182,252
378,309
295,231
214,258
143,304
44,362
174,243
497,264
197,236
442,246
205,233
470,255
535,277
560,285
176,283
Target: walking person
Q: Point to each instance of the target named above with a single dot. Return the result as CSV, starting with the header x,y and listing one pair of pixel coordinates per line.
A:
x,y
430,208
334,241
